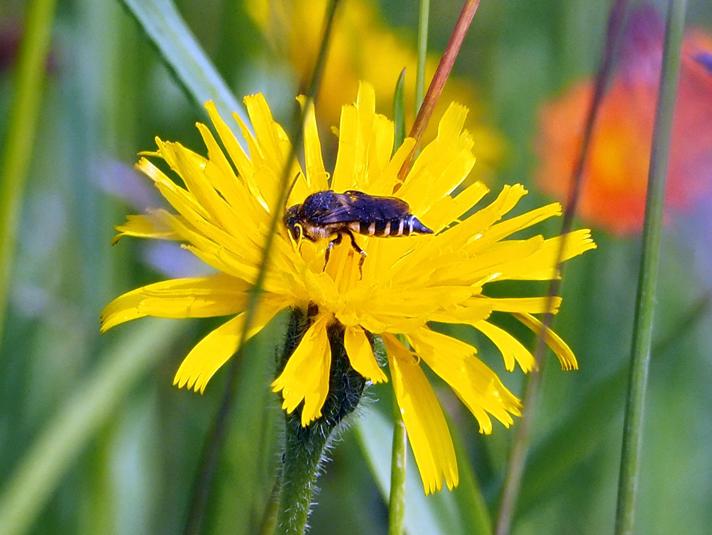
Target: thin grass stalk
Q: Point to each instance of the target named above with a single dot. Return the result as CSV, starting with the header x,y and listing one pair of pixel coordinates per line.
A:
x,y
396,502
20,134
649,267
520,447
216,437
423,17
437,84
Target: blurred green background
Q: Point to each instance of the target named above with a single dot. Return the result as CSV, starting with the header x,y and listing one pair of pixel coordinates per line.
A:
x,y
107,94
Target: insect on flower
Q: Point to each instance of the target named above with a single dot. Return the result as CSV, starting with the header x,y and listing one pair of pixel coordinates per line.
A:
x,y
405,284
326,213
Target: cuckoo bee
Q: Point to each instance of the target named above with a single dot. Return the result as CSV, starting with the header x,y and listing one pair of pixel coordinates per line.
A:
x,y
327,214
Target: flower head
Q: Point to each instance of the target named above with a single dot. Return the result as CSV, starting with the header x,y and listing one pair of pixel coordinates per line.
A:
x,y
222,210
616,173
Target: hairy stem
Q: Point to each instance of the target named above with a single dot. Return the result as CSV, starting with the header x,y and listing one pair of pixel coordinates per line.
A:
x,y
305,446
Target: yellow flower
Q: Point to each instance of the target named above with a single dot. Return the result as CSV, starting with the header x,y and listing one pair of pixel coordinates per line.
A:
x,y
294,29
222,214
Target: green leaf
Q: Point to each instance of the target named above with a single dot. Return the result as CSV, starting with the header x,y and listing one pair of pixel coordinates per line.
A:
x,y
167,30
399,111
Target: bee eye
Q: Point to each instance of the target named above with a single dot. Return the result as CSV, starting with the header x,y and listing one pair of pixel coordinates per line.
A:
x,y
297,231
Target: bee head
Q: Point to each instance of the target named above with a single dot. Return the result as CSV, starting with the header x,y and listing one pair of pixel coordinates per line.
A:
x,y
292,221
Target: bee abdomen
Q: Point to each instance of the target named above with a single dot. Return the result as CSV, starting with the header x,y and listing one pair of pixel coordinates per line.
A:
x,y
367,228
399,226
412,225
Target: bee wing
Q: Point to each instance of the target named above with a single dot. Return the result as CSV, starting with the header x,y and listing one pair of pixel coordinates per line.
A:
x,y
359,206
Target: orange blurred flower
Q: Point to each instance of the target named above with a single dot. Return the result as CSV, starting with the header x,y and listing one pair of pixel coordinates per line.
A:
x,y
615,177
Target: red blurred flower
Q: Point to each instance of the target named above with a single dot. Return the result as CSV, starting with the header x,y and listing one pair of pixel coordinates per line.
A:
x,y
615,177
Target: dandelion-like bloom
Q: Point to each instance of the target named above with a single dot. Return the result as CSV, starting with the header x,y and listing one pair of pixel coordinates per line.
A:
x,y
222,214
616,173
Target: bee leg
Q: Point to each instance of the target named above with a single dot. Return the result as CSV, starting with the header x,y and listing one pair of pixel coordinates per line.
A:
x,y
360,251
336,241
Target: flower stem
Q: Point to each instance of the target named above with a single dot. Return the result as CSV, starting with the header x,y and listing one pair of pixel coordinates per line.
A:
x,y
17,149
518,455
302,456
216,437
649,267
396,503
304,446
442,73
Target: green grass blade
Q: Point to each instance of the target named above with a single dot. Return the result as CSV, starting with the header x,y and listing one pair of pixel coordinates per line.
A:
x,y
423,16
180,51
94,401
460,511
649,267
399,111
19,138
396,502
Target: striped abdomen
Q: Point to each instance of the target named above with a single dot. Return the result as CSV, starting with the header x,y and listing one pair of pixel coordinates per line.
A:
x,y
400,226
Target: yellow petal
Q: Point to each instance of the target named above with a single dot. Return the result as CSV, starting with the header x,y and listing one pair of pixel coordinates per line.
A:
x,y
388,179
269,150
475,384
424,421
198,297
242,163
474,227
306,375
448,209
361,355
459,241
191,168
347,162
233,188
532,305
511,348
508,227
317,177
554,341
442,165
245,165
169,189
540,264
216,348
209,250
144,226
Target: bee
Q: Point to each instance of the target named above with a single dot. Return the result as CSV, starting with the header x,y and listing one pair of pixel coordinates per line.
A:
x,y
327,214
